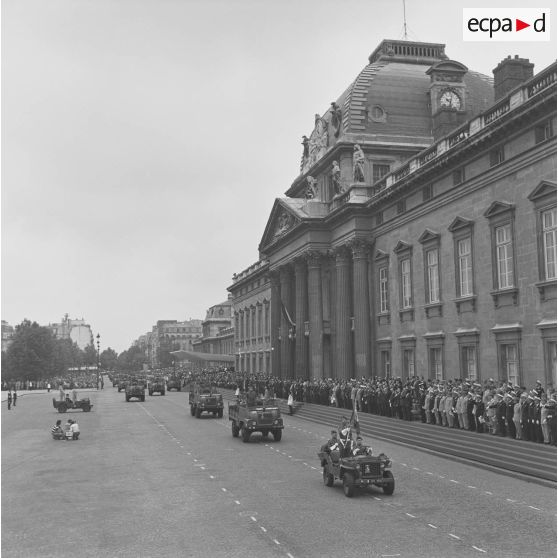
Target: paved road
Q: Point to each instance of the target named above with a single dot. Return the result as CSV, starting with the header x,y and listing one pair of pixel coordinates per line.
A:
x,y
149,480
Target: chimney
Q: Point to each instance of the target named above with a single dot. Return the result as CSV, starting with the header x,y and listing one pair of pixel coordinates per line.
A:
x,y
510,73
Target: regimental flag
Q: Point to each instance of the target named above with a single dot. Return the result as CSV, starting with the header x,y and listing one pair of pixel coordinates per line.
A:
x,y
287,315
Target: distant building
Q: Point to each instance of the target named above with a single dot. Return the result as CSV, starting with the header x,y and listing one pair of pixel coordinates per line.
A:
x,y
217,336
8,332
251,298
76,330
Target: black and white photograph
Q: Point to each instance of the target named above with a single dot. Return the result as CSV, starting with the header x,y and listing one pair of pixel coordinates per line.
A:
x,y
278,279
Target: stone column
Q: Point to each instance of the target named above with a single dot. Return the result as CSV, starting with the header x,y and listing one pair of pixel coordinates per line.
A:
x,y
315,315
372,300
286,279
275,322
301,296
361,306
343,338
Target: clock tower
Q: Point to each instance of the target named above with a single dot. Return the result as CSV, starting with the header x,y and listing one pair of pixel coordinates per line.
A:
x,y
447,96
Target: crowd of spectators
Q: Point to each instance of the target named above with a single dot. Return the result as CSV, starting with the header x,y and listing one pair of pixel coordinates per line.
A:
x,y
497,408
78,380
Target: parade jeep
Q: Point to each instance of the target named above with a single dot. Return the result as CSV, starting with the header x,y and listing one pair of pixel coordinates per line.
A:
x,y
358,471
264,417
157,385
203,398
135,388
63,406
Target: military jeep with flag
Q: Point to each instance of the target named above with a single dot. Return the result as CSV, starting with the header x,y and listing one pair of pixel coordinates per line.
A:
x,y
358,471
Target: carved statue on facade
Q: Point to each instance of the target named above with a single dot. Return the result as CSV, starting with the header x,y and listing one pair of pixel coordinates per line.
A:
x,y
336,177
317,143
283,223
358,164
312,188
336,118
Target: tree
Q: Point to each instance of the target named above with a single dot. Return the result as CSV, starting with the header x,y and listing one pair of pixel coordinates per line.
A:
x,y
108,359
31,353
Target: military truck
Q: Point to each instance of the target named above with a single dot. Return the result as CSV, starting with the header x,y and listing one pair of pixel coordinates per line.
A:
x,y
204,398
174,382
262,416
135,387
157,385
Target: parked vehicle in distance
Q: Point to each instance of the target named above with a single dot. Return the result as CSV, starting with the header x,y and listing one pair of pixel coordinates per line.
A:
x,y
203,398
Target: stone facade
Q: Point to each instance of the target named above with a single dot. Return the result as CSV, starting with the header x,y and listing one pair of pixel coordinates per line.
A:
x,y
442,262
217,333
251,295
75,329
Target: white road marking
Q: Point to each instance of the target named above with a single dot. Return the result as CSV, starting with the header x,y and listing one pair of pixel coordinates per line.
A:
x,y
479,549
410,515
223,489
263,529
469,486
454,481
276,541
253,518
433,526
211,477
237,502
454,536
533,508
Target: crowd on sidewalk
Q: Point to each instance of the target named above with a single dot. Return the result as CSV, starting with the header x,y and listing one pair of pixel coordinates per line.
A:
x,y
497,408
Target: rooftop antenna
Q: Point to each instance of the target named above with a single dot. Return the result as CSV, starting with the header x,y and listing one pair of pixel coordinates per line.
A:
x,y
404,23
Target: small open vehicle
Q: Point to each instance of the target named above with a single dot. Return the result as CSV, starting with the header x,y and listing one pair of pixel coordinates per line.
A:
x,y
358,471
63,406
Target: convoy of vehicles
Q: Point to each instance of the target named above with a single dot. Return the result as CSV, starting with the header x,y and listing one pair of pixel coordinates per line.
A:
x,y
204,398
263,416
135,388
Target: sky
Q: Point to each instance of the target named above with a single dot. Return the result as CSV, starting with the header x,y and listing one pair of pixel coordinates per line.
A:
x,y
144,142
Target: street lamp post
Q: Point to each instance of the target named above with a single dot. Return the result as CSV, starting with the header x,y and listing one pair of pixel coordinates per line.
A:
x,y
98,358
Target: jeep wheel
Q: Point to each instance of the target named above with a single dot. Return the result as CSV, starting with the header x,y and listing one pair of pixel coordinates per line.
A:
x,y
328,477
127,398
62,408
245,434
220,413
192,410
177,389
198,413
163,392
86,408
234,430
388,489
150,392
277,435
143,397
348,487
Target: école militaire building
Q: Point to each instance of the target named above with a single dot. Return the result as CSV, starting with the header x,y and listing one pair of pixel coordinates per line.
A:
x,y
420,236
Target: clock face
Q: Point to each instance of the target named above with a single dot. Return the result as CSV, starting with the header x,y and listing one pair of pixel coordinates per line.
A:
x,y
450,99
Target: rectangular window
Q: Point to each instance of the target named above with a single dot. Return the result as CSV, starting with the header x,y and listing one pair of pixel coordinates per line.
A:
x,y
260,321
406,283
458,176
510,363
379,171
433,276
504,256
384,307
469,360
386,363
436,371
409,362
544,131
379,217
549,243
427,193
496,156
401,207
465,267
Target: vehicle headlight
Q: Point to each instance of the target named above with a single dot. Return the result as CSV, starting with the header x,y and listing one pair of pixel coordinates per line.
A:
x,y
387,463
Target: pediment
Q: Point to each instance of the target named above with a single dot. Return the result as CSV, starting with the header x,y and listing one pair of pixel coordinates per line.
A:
x,y
282,219
401,246
428,235
545,188
498,207
380,255
460,223
447,67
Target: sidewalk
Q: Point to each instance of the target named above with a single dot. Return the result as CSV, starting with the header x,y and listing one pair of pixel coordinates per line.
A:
x,y
54,392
